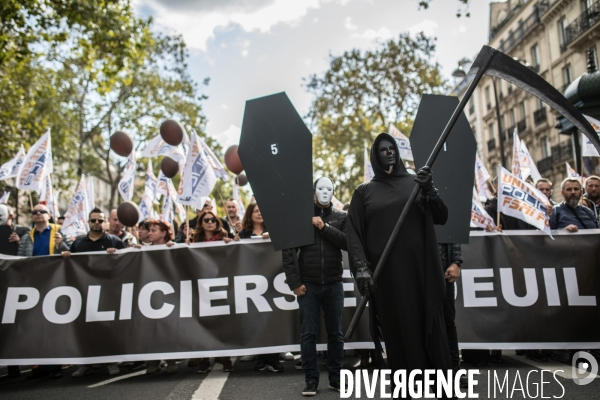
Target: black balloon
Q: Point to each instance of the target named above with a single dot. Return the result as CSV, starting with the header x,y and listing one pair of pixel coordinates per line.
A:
x,y
241,179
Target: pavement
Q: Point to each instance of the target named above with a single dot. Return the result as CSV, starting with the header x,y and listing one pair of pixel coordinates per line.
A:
x,y
520,378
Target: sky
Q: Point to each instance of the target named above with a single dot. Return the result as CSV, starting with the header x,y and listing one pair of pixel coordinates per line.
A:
x,y
253,48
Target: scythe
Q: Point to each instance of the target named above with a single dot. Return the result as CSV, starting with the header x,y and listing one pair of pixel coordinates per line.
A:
x,y
491,62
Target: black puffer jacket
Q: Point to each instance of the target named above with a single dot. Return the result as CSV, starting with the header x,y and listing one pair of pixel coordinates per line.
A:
x,y
320,262
455,254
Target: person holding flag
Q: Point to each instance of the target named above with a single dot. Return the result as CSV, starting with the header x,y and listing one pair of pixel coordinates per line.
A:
x,y
570,215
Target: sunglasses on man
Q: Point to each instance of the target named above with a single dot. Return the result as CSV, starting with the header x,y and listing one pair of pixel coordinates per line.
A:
x,y
96,220
210,220
36,212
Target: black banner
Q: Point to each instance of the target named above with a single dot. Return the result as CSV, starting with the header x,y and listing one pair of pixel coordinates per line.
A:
x,y
209,300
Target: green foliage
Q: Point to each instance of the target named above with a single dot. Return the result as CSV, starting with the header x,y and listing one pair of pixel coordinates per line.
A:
x,y
360,95
86,69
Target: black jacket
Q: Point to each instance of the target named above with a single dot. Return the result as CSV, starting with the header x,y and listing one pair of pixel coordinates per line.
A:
x,y
320,262
454,251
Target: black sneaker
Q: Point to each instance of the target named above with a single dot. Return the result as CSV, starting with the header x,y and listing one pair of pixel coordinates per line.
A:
x,y
335,385
275,366
464,382
310,389
298,365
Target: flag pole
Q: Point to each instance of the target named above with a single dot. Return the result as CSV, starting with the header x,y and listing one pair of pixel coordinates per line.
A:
x,y
187,216
223,201
30,200
498,197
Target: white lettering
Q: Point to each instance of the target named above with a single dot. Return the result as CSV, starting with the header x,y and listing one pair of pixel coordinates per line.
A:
x,y
206,296
92,313
384,383
49,305
470,288
346,388
12,305
243,294
145,296
573,296
126,301
279,283
508,287
185,299
551,287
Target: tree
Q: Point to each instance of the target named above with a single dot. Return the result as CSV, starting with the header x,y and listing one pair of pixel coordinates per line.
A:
x,y
86,69
463,7
360,95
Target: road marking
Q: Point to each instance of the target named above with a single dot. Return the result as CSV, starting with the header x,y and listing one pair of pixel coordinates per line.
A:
x,y
118,378
554,366
27,370
212,384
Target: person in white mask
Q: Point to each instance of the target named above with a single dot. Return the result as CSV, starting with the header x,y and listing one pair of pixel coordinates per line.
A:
x,y
315,277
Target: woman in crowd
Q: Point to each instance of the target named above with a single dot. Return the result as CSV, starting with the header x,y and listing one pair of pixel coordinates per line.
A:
x,y
160,233
253,223
254,226
209,228
143,231
182,237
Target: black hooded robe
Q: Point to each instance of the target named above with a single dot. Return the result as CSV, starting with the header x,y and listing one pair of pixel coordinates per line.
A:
x,y
408,301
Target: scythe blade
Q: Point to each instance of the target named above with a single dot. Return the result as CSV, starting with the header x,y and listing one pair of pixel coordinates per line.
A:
x,y
518,74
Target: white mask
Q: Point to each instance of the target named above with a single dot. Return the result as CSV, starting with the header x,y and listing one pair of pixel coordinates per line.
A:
x,y
3,214
324,191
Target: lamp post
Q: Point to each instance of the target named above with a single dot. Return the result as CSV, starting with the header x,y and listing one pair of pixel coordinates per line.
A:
x,y
500,132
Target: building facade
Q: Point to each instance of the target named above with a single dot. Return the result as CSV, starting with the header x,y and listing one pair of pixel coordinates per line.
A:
x,y
552,37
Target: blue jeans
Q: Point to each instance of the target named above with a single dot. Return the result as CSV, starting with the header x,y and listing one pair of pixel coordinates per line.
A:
x,y
329,297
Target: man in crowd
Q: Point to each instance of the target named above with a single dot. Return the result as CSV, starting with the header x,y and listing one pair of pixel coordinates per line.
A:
x,y
116,228
316,278
451,258
591,199
44,239
96,240
570,215
231,208
545,186
60,220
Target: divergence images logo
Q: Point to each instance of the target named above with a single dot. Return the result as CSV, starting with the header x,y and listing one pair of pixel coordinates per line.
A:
x,y
581,376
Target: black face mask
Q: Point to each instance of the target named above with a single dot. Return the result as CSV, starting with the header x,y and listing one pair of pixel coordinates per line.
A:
x,y
386,154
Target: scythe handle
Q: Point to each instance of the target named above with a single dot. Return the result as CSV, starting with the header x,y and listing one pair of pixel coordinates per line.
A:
x,y
415,192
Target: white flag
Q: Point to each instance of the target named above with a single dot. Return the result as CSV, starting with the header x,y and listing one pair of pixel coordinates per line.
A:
x,y
178,207
238,200
167,209
481,177
36,165
48,198
215,163
126,185
528,167
90,194
587,147
516,166
76,217
11,168
479,217
336,203
519,199
161,185
147,201
402,142
4,198
572,173
368,169
156,147
198,178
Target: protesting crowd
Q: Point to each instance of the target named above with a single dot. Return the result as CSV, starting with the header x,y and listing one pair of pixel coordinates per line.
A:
x,y
314,272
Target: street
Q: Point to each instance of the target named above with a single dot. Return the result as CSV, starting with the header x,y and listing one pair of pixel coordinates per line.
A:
x,y
245,383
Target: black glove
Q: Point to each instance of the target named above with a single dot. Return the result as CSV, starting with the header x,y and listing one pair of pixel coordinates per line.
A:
x,y
425,179
363,278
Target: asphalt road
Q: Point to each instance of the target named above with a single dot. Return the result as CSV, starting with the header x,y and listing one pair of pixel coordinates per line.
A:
x,y
245,383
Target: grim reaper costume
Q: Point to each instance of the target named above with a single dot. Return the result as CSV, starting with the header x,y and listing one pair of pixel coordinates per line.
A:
x,y
406,306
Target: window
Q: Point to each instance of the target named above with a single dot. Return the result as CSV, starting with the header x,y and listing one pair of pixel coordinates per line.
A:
x,y
567,74
594,51
585,5
545,145
512,117
503,121
491,130
562,34
540,103
535,57
488,97
522,109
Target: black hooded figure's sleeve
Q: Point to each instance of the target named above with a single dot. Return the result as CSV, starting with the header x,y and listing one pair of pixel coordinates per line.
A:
x,y
356,229
438,209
